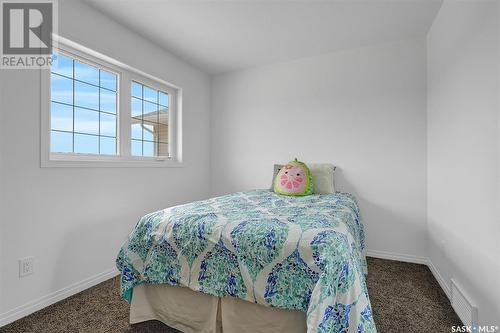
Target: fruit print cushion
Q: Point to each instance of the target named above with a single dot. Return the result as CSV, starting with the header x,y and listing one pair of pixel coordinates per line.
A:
x,y
294,179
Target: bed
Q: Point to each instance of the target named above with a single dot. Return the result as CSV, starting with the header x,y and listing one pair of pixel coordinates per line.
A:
x,y
293,264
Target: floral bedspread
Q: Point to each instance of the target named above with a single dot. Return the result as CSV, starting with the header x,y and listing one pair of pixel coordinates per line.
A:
x,y
298,253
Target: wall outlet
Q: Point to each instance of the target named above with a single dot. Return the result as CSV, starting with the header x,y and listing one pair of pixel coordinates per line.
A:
x,y
26,266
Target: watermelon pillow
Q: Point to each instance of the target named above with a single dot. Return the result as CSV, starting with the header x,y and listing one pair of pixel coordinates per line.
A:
x,y
294,179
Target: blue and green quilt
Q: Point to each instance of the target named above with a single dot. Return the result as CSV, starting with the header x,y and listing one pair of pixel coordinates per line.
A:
x,y
298,253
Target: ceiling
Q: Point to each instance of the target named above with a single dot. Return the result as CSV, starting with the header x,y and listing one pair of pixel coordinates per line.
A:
x,y
221,36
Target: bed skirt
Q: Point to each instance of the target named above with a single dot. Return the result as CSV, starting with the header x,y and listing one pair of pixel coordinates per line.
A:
x,y
190,311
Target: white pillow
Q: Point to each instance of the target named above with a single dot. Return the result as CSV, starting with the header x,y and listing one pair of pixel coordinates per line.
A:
x,y
323,177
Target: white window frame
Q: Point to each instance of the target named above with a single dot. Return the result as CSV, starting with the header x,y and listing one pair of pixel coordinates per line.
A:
x,y
125,75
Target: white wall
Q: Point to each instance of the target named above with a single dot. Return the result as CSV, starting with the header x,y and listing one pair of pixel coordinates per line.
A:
x,y
463,150
73,220
361,109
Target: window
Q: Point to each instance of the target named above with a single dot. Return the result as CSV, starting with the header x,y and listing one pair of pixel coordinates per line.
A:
x,y
83,113
149,132
100,112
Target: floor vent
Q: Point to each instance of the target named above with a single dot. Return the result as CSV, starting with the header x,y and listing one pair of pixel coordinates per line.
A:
x,y
462,305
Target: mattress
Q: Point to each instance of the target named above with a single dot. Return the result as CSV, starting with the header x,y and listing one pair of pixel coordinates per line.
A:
x,y
294,253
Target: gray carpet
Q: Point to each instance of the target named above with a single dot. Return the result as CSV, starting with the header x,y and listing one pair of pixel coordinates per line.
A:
x,y
405,298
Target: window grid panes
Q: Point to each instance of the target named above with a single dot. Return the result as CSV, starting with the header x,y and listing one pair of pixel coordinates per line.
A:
x,y
83,108
149,122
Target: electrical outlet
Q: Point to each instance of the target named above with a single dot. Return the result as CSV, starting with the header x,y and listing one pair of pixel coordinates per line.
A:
x,y
26,266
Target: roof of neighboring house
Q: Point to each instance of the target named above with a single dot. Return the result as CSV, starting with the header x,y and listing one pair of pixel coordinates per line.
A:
x,y
152,117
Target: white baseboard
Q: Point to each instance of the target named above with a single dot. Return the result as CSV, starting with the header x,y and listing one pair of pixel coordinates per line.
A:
x,y
445,286
44,301
397,256
415,260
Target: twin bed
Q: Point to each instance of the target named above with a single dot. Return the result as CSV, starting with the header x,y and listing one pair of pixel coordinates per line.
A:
x,y
252,261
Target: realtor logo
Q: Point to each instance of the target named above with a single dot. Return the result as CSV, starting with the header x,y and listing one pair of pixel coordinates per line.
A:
x,y
27,29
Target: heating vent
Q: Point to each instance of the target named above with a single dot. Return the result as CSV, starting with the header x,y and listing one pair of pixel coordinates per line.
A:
x,y
462,305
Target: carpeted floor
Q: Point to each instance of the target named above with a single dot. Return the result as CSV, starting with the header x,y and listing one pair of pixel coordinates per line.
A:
x,y
405,298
